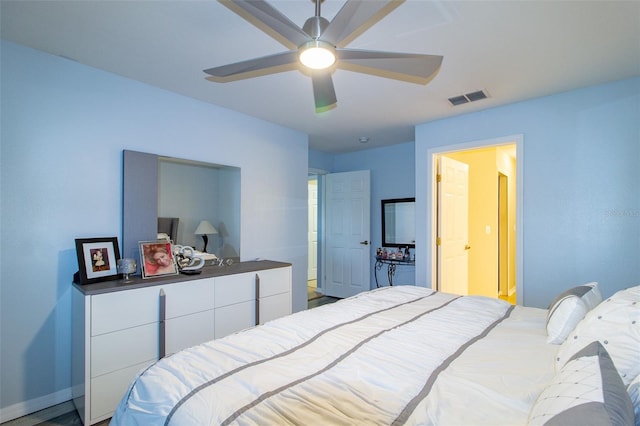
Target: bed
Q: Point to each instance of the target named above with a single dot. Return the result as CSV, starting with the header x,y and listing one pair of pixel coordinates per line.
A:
x,y
404,355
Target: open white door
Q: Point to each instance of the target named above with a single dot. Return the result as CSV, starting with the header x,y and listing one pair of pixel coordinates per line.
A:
x,y
347,260
453,226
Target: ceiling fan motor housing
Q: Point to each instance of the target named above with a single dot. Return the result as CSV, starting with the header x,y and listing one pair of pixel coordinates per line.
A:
x,y
315,26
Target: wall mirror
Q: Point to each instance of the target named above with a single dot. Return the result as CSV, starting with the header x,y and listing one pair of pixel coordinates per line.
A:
x,y
398,222
190,191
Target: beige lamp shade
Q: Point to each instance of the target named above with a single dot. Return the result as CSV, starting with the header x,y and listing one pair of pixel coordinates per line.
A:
x,y
205,228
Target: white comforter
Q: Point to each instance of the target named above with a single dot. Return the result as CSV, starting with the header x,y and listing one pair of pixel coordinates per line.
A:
x,y
396,355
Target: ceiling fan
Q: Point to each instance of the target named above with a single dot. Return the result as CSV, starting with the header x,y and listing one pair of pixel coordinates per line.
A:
x,y
317,48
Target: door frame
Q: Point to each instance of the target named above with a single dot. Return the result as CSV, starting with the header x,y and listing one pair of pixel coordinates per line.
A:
x,y
316,217
319,174
432,184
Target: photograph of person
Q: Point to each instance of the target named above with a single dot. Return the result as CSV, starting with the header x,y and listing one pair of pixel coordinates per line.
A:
x,y
99,260
157,259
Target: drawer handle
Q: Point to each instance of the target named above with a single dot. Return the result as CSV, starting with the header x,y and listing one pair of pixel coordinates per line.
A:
x,y
257,301
161,324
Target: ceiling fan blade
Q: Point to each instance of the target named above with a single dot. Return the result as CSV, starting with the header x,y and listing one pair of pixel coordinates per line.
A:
x,y
272,64
355,17
268,19
323,92
411,67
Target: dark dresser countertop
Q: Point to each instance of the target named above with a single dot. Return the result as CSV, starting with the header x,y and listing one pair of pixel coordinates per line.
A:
x,y
207,272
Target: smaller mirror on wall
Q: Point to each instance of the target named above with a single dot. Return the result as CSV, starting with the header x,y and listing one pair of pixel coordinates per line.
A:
x,y
398,222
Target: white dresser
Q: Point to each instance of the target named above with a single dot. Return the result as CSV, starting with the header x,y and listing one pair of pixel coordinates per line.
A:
x,y
119,329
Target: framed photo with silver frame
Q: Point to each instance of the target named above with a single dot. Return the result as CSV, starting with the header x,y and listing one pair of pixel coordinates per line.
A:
x,y
157,260
97,259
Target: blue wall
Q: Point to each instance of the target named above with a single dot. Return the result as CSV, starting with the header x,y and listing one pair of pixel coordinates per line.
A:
x,y
64,126
581,185
320,161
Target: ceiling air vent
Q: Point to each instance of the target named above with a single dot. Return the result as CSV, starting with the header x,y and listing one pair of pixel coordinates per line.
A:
x,y
469,97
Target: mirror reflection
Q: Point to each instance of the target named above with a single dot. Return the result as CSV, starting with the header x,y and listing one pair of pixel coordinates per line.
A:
x,y
206,200
398,222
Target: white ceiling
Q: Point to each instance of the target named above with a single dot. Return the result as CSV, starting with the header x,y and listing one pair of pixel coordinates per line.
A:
x,y
514,50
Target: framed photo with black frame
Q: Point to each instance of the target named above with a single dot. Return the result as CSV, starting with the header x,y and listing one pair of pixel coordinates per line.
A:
x,y
97,259
157,259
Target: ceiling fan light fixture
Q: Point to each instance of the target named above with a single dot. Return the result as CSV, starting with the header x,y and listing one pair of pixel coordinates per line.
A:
x,y
317,54
318,48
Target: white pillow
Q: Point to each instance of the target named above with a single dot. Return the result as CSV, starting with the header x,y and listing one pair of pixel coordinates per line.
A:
x,y
586,391
568,308
616,324
634,392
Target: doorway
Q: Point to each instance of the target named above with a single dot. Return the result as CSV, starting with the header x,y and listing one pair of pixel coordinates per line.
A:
x,y
312,239
492,244
338,235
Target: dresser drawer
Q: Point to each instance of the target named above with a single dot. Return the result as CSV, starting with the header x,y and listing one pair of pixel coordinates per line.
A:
x,y
189,330
275,281
232,318
107,390
124,309
232,289
275,306
124,348
185,298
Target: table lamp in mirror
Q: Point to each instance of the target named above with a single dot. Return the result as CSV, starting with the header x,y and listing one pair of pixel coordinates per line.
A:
x,y
205,228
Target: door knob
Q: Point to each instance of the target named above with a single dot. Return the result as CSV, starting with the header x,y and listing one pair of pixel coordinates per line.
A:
x,y
365,242
467,247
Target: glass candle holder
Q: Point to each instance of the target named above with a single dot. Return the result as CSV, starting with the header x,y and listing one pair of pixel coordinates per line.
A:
x,y
126,267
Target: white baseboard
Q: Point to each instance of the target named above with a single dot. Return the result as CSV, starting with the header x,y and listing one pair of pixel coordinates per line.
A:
x,y
27,407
